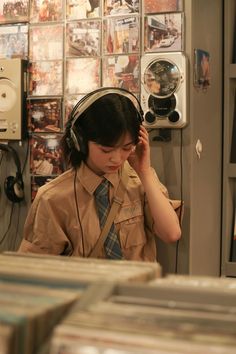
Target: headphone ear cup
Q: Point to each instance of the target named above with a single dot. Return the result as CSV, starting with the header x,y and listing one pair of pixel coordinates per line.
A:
x,y
78,140
14,189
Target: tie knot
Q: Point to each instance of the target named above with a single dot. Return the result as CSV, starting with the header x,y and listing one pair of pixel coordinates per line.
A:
x,y
102,189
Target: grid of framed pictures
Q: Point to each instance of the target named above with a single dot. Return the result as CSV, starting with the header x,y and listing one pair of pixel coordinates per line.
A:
x,y
76,46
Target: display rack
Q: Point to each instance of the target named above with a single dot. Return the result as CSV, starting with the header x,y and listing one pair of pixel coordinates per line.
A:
x,y
229,169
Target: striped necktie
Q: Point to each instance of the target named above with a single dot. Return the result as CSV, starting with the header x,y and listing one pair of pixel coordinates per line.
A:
x,y
112,244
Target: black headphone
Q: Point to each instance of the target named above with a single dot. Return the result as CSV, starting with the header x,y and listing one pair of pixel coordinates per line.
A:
x,y
76,138
14,186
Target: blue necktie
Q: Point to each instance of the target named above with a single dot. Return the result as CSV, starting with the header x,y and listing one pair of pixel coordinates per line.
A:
x,y
112,244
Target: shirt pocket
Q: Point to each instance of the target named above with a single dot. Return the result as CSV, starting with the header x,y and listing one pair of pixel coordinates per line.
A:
x,y
130,225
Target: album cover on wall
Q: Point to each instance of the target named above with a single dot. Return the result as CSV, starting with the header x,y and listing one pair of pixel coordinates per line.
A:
x,y
117,7
46,42
155,6
121,35
14,11
14,41
69,103
163,32
82,9
46,11
37,182
45,78
122,71
201,68
45,155
82,75
44,115
83,38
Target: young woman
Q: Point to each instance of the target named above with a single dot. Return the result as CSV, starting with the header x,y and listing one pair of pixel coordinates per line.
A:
x,y
104,139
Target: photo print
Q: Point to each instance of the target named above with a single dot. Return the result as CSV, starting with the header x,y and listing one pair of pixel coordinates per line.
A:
x,y
44,115
45,155
122,71
83,38
163,32
121,35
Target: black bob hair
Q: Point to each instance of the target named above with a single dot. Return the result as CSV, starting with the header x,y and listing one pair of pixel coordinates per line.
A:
x,y
105,121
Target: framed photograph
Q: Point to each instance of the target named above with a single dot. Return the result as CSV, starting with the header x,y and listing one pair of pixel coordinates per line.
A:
x,y
46,42
82,75
46,11
122,71
44,115
14,41
117,7
45,78
157,6
37,182
163,32
45,155
121,35
201,69
82,9
14,11
83,38
69,103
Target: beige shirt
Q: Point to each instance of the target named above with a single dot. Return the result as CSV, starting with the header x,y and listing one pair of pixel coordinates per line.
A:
x,y
56,225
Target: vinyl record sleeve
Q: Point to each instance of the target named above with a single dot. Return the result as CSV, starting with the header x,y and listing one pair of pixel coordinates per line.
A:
x,y
122,71
121,35
14,41
46,42
14,11
82,75
69,103
45,78
83,38
45,155
82,9
44,115
163,32
114,7
45,11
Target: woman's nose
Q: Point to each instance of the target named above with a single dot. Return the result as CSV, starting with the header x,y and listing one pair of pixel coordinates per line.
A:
x,y
116,156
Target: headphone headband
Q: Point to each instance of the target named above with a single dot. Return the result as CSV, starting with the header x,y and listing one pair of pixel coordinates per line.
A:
x,y
92,97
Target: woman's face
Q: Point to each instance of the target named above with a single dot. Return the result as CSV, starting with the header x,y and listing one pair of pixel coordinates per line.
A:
x,y
105,159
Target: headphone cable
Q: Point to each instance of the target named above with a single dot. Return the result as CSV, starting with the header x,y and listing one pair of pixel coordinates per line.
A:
x,y
77,212
181,197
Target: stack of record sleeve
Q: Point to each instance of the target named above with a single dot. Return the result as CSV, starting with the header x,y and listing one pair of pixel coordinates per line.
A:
x,y
37,291
149,319
73,271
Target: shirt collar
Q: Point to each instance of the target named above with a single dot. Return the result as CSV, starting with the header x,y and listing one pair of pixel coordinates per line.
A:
x,y
90,180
